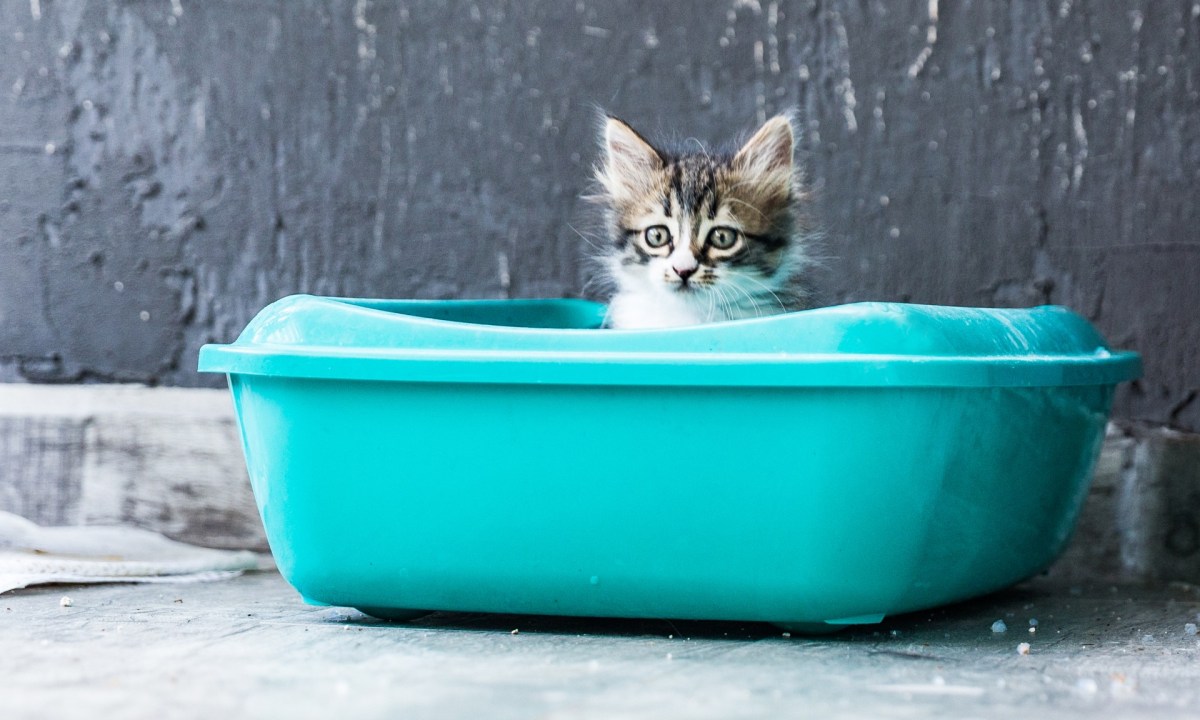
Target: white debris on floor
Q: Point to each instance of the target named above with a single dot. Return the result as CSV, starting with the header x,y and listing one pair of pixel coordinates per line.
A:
x,y
35,555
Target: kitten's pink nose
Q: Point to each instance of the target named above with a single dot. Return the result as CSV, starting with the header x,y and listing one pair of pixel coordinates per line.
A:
x,y
685,272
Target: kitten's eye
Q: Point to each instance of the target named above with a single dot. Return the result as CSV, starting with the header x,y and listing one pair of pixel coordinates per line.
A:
x,y
722,238
657,236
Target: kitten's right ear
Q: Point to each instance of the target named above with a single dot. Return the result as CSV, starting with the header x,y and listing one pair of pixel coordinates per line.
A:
x,y
629,160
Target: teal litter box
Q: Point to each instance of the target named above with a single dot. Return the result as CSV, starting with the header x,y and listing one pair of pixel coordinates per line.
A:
x,y
825,467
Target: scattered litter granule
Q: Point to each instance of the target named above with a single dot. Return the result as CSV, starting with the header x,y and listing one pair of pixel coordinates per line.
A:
x,y
1023,649
1033,622
515,631
999,626
68,602
1189,629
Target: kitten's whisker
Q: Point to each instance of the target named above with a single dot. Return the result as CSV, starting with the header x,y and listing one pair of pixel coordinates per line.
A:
x,y
726,306
731,281
718,303
600,278
754,299
699,144
585,238
761,294
595,281
767,288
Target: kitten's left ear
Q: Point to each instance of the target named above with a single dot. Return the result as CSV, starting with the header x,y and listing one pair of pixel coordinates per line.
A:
x,y
769,152
766,161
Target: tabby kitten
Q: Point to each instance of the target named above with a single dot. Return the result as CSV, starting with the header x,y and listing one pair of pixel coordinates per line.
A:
x,y
699,237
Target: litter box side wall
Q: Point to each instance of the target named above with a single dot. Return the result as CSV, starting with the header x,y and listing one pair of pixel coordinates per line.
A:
x,y
784,505
1001,520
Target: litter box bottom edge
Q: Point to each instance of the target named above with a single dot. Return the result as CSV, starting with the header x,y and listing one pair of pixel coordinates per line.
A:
x,y
402,615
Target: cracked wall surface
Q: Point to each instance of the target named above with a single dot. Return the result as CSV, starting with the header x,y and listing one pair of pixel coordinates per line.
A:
x,y
168,168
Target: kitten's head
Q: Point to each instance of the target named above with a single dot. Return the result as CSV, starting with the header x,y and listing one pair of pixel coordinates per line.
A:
x,y
698,237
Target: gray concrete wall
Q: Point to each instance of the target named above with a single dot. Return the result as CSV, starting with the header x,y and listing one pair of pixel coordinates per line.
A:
x,y
167,168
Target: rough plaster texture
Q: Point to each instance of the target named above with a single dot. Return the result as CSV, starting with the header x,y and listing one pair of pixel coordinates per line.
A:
x,y
168,168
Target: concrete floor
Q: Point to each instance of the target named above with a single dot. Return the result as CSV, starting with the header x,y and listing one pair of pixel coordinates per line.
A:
x,y
250,648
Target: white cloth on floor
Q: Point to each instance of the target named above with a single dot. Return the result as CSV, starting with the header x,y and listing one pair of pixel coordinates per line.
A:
x,y
34,555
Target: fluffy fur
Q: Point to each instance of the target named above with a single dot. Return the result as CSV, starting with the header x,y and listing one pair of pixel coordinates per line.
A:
x,y
696,237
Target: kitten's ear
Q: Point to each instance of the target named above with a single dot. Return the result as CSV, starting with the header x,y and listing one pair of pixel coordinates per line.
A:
x,y
770,149
629,161
766,159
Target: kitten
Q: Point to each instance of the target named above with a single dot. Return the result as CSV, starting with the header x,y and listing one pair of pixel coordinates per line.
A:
x,y
699,237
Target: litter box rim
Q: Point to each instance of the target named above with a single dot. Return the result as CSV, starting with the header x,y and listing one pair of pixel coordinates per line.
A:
x,y
369,340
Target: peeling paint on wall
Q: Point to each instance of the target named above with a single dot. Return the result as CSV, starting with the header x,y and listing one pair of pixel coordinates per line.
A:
x,y
166,169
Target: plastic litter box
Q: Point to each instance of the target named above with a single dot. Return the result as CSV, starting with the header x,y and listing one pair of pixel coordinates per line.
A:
x,y
825,467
